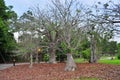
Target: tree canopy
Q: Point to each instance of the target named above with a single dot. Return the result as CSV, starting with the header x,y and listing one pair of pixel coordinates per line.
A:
x,y
7,41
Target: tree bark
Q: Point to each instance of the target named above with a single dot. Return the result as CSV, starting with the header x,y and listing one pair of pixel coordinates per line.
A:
x,y
31,60
52,56
92,49
52,50
36,60
70,64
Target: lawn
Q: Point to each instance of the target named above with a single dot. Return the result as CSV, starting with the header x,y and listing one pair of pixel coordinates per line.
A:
x,y
86,78
103,60
115,62
79,60
108,60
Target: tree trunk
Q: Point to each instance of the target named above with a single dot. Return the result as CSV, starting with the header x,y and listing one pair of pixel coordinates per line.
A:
x,y
31,60
70,64
52,50
2,57
36,60
52,56
93,51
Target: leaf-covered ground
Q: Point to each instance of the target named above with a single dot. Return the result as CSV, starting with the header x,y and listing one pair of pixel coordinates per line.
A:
x,y
46,71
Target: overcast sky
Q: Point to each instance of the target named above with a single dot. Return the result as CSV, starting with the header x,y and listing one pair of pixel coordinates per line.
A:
x,y
21,6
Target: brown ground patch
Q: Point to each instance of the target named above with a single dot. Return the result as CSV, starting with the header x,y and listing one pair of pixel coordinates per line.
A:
x,y
46,71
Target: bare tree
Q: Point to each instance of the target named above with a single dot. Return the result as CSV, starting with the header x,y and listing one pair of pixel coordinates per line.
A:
x,y
28,37
50,30
69,16
96,32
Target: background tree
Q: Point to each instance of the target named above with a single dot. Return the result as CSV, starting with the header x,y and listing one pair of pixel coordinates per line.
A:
x,y
28,36
97,30
50,30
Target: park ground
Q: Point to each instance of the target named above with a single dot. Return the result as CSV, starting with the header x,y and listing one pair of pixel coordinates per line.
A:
x,y
45,71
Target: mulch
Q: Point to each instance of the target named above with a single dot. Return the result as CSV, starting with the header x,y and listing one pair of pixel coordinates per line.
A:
x,y
45,71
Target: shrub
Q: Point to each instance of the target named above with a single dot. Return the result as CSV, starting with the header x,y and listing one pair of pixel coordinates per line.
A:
x,y
118,56
86,54
45,57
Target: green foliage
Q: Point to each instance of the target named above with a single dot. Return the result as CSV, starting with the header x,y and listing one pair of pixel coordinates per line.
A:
x,y
118,51
45,57
6,38
112,47
3,8
118,56
63,47
7,41
79,60
86,54
85,44
61,52
109,47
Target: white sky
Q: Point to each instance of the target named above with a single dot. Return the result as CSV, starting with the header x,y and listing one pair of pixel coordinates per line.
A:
x,y
21,6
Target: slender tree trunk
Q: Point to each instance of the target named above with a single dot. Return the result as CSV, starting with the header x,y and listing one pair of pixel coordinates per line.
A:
x,y
36,60
31,60
70,64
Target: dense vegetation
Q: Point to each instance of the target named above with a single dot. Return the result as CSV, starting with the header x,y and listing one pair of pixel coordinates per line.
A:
x,y
7,41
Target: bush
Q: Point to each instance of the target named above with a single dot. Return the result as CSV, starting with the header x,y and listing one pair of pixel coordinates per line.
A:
x,y
86,54
118,51
118,56
45,57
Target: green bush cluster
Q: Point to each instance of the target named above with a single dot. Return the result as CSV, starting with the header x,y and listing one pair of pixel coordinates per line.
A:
x,y
45,57
118,51
118,56
86,54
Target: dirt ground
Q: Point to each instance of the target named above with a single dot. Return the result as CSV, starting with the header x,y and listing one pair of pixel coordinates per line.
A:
x,y
45,71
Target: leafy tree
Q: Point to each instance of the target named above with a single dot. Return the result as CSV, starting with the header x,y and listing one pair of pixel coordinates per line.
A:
x,y
7,41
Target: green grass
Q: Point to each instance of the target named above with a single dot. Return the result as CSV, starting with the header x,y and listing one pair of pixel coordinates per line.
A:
x,y
79,60
104,61
115,62
85,78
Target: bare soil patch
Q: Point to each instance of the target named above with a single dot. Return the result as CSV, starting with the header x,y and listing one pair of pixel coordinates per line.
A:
x,y
45,71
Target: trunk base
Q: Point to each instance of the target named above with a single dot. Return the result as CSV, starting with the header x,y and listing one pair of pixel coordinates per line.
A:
x,y
52,62
70,65
52,58
30,66
70,68
31,61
